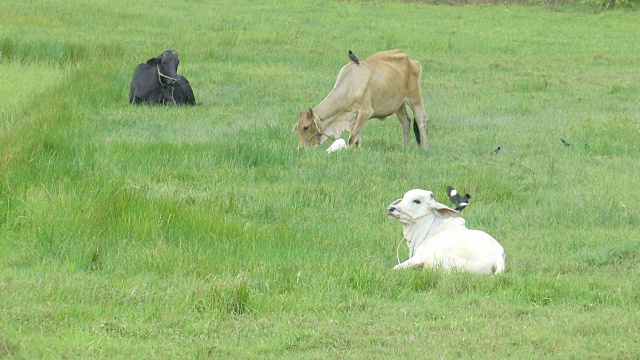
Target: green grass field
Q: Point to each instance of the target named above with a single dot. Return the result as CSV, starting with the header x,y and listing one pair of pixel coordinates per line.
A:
x,y
203,232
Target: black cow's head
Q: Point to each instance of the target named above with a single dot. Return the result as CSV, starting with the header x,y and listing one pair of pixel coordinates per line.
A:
x,y
167,67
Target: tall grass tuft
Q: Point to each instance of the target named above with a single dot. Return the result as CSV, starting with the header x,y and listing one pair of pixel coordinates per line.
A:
x,y
54,53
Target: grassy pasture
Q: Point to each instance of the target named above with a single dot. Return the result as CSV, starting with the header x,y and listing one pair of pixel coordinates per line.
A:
x,y
196,232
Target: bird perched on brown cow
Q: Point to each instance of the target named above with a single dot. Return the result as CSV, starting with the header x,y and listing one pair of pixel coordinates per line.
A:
x,y
353,58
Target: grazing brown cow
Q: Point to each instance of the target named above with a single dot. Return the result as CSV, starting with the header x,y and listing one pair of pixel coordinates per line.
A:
x,y
377,87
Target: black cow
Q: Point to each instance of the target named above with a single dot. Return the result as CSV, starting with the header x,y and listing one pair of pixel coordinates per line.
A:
x,y
156,81
180,93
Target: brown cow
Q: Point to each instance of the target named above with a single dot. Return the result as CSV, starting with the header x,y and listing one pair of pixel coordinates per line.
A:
x,y
376,88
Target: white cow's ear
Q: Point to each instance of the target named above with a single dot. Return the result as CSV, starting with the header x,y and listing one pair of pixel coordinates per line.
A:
x,y
448,213
445,211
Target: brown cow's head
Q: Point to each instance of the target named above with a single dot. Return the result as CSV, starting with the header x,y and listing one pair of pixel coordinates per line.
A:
x,y
308,133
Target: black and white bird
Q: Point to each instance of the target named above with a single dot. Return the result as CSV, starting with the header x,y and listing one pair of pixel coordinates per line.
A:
x,y
460,201
565,143
496,151
353,58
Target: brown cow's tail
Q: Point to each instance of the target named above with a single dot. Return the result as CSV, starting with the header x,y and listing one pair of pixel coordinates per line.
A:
x,y
416,131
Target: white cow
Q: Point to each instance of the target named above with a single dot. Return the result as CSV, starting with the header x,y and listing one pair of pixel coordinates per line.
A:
x,y
438,237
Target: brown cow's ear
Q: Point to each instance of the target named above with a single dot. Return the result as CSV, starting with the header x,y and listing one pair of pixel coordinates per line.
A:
x,y
154,61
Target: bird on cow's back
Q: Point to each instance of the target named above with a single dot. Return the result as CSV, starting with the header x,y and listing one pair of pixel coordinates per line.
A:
x,y
461,201
353,57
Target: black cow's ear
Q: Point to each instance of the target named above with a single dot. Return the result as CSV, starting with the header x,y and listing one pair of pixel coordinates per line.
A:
x,y
154,61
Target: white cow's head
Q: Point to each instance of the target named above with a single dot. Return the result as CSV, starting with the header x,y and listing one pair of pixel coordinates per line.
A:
x,y
416,204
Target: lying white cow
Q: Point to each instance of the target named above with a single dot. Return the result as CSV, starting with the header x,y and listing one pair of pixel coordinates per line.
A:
x,y
438,237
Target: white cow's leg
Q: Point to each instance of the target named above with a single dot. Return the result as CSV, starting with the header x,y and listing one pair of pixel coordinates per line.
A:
x,y
411,263
405,122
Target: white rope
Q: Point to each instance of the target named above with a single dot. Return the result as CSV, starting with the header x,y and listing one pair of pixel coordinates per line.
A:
x,y
164,76
412,221
398,249
160,75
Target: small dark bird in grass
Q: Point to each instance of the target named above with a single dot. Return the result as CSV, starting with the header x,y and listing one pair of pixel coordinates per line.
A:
x,y
565,143
496,151
353,58
460,201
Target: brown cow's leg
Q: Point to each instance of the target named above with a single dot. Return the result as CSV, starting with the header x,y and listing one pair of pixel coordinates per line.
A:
x,y
405,122
356,131
421,118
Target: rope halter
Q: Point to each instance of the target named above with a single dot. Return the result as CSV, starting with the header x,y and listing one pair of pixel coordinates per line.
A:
x,y
412,247
161,75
